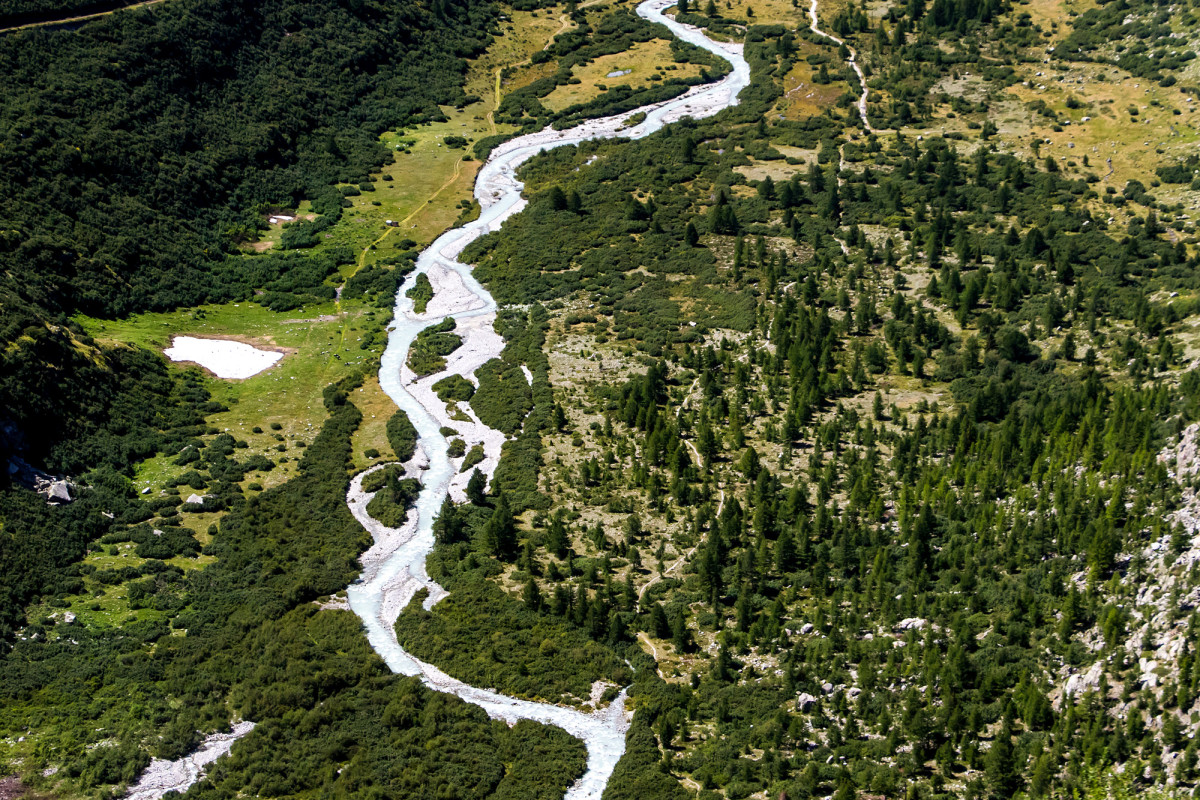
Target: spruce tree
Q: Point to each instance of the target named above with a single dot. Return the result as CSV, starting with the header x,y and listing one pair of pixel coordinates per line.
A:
x,y
501,531
476,488
533,596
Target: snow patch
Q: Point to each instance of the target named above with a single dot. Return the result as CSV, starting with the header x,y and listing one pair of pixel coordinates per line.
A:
x,y
222,357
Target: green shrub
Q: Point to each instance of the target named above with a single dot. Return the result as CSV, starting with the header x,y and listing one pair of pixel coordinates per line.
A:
x,y
453,388
402,436
474,456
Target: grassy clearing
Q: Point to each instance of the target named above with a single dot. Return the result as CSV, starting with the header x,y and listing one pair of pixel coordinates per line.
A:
x,y
523,74
792,13
530,32
277,412
100,606
525,33
1087,122
776,170
1054,16
642,64
421,191
276,220
323,345
376,408
801,96
1137,143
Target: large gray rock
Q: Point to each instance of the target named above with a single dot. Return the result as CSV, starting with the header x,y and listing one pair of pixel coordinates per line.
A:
x,y
1083,682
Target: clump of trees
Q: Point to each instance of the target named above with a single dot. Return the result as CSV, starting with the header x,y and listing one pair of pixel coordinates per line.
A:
x,y
421,292
429,349
401,435
394,495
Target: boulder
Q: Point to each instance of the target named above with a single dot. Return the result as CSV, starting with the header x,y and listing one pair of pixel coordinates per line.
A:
x,y
59,492
1084,681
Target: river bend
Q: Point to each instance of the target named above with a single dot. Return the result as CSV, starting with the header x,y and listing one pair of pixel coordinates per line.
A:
x,y
394,569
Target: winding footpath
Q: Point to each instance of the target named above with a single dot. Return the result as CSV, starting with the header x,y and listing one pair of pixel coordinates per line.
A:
x,y
79,18
853,61
394,568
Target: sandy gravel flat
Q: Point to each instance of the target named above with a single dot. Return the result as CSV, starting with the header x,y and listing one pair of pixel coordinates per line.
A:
x,y
166,776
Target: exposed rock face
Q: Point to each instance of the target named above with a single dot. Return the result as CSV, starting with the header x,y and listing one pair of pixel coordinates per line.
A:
x,y
1083,682
56,490
59,492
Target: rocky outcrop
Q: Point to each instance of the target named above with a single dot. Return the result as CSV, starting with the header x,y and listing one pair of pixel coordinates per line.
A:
x,y
59,492
1156,617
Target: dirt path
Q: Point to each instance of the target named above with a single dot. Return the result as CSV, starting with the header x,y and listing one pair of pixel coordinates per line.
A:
x,y
644,638
696,455
852,61
840,182
81,18
491,115
362,257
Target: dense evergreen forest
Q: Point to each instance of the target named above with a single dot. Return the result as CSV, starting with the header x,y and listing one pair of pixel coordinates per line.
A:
x,y
863,459
195,131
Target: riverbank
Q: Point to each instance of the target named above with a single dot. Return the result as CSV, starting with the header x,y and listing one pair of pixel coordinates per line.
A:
x,y
394,569
176,776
